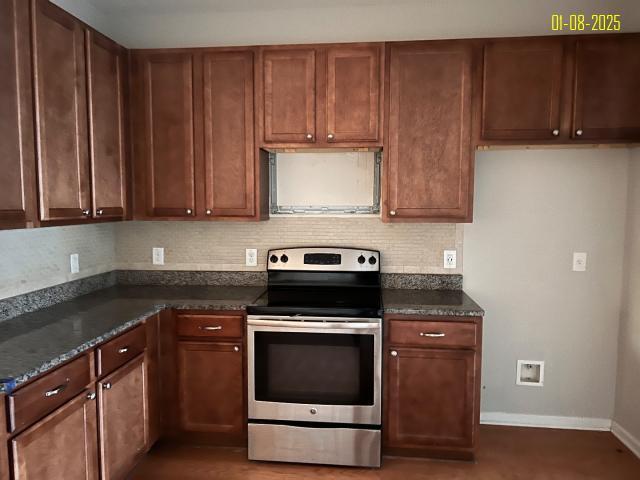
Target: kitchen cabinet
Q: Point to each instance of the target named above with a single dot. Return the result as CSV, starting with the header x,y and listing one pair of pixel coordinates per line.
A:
x,y
432,392
321,96
522,89
123,418
17,149
606,98
62,445
106,73
61,113
4,452
428,163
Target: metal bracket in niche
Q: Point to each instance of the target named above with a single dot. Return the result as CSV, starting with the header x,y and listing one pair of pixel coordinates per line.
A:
x,y
277,209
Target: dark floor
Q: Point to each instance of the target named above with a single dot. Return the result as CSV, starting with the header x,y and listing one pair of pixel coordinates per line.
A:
x,y
504,453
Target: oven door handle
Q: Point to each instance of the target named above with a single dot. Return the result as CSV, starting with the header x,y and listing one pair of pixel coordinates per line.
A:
x,y
312,324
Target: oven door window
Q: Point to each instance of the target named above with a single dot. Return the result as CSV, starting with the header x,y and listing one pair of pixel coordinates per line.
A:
x,y
316,368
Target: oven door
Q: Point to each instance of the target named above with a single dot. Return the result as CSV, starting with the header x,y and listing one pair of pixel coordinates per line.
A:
x,y
315,369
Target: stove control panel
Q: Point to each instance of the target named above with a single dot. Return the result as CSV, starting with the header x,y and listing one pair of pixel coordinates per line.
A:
x,y
327,259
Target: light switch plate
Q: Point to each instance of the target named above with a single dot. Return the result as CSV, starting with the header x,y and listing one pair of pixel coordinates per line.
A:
x,y
158,255
450,259
579,261
251,257
74,263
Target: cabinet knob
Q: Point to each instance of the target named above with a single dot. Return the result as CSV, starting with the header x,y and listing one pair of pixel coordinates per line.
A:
x,y
555,132
86,212
91,396
236,349
189,211
579,133
330,136
99,211
309,136
106,386
394,353
208,211
392,213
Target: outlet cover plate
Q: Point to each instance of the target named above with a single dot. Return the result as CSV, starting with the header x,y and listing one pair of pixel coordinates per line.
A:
x,y
450,259
158,255
251,257
579,261
74,263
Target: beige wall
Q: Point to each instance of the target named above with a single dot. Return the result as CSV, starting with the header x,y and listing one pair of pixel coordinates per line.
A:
x,y
410,248
533,208
627,412
39,258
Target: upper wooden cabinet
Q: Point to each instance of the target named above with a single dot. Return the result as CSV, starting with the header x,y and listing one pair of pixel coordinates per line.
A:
x,y
17,155
521,98
606,102
106,65
321,96
428,160
61,113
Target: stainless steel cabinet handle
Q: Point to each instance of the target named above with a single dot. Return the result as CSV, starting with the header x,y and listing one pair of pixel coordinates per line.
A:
x,y
123,350
210,327
55,391
91,396
309,136
555,132
579,133
236,349
330,136
86,212
189,211
432,334
208,211
106,386
394,353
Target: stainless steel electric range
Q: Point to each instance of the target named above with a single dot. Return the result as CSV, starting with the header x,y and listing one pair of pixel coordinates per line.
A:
x,y
314,353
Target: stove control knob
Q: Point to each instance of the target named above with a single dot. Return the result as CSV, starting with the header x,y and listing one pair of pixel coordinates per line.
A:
x,y
284,259
372,260
273,259
361,259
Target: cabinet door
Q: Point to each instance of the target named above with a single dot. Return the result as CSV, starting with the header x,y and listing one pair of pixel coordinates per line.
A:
x,y
167,147
228,134
122,398
17,155
4,452
429,162
353,93
211,387
522,86
105,74
607,95
430,398
289,95
62,445
61,113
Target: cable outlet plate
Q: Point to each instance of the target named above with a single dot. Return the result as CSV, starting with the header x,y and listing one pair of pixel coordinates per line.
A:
x,y
530,373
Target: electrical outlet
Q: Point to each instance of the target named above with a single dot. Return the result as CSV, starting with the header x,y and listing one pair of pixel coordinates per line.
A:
x,y
251,257
579,261
530,372
158,255
450,259
74,263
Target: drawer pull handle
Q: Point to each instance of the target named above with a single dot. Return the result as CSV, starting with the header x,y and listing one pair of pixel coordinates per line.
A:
x,y
55,391
123,350
210,328
432,334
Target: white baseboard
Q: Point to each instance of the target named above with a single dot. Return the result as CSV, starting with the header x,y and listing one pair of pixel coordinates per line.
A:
x,y
625,437
545,421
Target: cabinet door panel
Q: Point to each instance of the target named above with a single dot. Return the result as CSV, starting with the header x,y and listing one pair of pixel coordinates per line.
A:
x,y
211,387
17,154
62,445
61,113
607,95
430,398
123,418
169,144
228,134
353,93
289,95
522,86
429,162
106,63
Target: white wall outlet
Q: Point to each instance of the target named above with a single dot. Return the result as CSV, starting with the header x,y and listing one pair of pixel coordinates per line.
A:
x,y
579,261
74,263
530,372
450,259
251,257
158,255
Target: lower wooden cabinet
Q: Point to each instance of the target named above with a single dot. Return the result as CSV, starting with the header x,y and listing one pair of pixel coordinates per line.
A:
x,y
62,445
4,453
123,419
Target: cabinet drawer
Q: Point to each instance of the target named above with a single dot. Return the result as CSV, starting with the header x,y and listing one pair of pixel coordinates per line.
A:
x,y
120,350
212,326
44,395
432,334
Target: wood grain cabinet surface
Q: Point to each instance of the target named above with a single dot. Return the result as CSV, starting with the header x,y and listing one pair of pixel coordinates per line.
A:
x,y
4,451
428,160
17,149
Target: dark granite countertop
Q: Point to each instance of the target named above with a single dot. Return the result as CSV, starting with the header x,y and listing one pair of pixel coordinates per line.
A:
x,y
36,342
429,302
